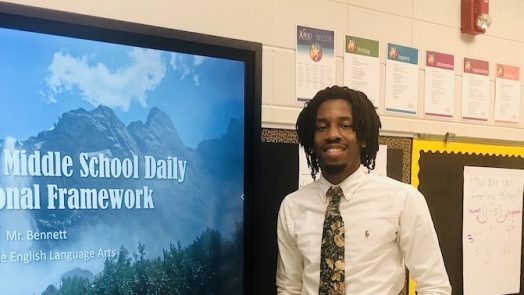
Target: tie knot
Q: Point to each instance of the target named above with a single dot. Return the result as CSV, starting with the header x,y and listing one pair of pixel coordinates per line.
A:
x,y
334,193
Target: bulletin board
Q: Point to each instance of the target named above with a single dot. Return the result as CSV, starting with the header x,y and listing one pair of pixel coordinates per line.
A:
x,y
278,176
437,172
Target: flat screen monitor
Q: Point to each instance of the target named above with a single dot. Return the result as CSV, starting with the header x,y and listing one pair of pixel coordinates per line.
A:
x,y
126,161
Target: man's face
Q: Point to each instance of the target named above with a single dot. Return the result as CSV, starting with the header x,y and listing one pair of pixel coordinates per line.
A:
x,y
335,144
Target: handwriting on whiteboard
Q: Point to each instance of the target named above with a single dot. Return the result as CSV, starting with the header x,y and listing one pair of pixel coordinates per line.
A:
x,y
492,229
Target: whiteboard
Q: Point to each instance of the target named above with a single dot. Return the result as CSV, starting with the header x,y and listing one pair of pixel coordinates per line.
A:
x,y
492,230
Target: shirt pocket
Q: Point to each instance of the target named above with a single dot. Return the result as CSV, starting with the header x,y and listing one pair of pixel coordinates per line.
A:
x,y
374,233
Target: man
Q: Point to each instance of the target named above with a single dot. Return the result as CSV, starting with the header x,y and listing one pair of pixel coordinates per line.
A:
x,y
385,225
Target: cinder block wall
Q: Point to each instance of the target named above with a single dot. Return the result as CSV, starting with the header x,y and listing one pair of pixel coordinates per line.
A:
x,y
426,25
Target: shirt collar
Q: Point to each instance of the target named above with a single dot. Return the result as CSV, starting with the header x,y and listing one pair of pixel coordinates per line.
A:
x,y
348,185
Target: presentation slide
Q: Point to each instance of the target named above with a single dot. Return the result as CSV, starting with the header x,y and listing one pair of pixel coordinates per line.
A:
x,y
121,168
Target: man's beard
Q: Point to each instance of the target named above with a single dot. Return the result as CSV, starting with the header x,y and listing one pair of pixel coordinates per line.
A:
x,y
334,169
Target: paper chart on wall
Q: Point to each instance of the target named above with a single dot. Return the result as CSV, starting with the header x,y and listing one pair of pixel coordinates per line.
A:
x,y
439,96
475,90
507,94
304,174
401,79
315,61
362,67
381,161
492,230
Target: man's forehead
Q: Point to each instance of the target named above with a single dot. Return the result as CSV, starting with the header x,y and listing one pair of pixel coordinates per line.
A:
x,y
339,108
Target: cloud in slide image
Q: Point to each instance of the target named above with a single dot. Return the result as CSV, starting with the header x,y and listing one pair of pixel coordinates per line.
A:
x,y
99,85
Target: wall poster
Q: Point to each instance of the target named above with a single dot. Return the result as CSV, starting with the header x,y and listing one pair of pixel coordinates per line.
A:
x,y
315,61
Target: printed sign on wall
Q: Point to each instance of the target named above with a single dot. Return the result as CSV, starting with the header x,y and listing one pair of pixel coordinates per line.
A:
x,y
475,90
439,98
362,67
401,79
315,61
507,94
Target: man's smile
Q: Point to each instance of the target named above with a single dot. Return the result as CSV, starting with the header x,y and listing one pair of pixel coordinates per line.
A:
x,y
334,150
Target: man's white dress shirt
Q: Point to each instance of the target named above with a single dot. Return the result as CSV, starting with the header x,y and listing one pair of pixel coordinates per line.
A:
x,y
387,227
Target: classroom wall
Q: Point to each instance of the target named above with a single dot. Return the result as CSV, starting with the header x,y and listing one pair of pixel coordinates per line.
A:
x,y
423,24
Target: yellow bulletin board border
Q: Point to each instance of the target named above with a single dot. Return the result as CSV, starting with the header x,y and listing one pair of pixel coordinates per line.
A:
x,y
457,148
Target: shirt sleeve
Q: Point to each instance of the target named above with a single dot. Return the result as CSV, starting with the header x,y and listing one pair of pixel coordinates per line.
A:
x,y
290,264
420,246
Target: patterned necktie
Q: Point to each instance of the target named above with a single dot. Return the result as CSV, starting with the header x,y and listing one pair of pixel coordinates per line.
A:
x,y
332,278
